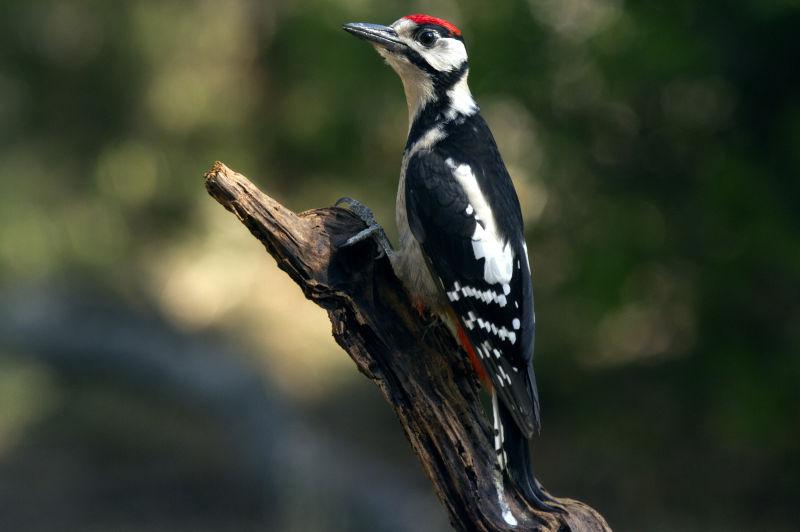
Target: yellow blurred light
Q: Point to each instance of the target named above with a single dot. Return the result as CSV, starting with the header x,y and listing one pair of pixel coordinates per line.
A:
x,y
657,320
225,276
513,128
200,59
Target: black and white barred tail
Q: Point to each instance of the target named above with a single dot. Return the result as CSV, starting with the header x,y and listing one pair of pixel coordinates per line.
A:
x,y
513,453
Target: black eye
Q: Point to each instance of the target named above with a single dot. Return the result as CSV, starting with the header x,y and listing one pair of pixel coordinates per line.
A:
x,y
427,37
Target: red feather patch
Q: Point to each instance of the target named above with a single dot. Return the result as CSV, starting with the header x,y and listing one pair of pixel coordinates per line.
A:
x,y
427,19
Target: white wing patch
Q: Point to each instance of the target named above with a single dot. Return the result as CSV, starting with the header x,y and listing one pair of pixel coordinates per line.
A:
x,y
486,241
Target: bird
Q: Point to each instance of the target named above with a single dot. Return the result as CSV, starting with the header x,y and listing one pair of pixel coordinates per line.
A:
x,y
462,254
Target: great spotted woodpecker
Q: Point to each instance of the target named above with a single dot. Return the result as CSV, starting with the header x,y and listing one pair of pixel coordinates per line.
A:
x,y
462,252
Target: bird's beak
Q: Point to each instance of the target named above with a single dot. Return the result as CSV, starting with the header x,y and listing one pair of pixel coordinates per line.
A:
x,y
383,36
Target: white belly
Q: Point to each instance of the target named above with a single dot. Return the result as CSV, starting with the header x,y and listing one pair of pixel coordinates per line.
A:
x,y
409,261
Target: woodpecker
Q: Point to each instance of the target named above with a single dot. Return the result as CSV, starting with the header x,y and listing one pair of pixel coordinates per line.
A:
x,y
462,252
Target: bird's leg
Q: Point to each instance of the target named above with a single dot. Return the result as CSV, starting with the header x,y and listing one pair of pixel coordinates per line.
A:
x,y
373,229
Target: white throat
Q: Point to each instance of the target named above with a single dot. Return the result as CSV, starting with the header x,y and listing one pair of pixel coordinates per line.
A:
x,y
419,90
417,85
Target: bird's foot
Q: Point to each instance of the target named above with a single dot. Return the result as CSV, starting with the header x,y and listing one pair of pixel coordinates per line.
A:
x,y
431,323
373,229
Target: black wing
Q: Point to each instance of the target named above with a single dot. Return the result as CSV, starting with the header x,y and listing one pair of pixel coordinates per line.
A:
x,y
497,317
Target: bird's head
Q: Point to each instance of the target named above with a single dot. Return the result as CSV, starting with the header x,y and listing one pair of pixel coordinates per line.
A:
x,y
428,54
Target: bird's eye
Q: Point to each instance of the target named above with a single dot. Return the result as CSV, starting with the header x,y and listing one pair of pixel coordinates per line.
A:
x,y
427,37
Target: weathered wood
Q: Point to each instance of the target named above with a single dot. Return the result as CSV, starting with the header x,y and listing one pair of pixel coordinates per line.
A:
x,y
417,366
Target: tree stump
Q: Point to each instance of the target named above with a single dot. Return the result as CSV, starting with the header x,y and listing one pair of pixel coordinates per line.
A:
x,y
417,365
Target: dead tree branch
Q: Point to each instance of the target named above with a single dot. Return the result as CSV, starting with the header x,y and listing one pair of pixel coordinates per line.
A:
x,y
418,368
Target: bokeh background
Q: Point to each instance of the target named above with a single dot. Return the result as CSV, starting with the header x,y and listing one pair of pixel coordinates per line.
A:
x,y
158,372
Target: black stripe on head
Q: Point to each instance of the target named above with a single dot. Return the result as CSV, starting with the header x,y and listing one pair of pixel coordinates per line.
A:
x,y
446,78
441,30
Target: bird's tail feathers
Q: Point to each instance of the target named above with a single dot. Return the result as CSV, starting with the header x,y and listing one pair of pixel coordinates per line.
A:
x,y
514,456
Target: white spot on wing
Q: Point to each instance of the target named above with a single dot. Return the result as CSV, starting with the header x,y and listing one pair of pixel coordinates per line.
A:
x,y
487,296
503,375
502,332
515,324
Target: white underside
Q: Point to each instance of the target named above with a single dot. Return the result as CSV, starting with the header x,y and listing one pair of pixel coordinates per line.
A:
x,y
409,261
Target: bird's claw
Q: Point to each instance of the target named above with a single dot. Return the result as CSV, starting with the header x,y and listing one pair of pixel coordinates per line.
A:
x,y
373,229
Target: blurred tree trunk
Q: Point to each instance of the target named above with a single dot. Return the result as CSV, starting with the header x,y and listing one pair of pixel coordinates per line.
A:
x,y
417,366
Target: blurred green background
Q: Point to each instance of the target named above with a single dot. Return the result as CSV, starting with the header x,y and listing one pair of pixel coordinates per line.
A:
x,y
158,372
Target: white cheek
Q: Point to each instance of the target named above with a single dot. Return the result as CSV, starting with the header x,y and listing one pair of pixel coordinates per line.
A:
x,y
446,55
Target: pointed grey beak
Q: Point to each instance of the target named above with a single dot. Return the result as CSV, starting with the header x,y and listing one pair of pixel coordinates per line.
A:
x,y
383,36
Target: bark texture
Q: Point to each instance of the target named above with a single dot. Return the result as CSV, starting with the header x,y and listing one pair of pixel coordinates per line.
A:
x,y
418,367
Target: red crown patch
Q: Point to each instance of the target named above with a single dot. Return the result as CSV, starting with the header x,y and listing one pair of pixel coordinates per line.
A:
x,y
427,19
